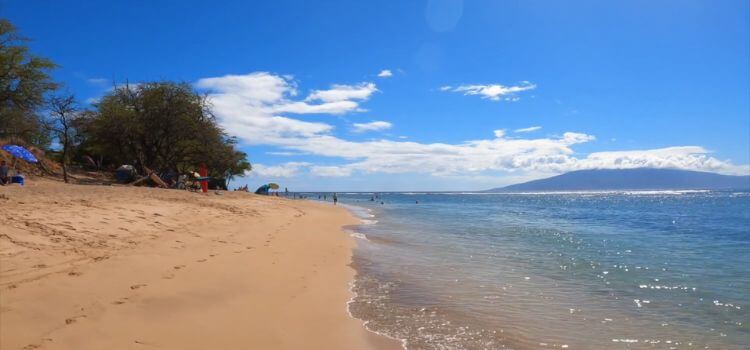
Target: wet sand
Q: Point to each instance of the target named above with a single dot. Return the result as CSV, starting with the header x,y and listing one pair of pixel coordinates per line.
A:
x,y
115,267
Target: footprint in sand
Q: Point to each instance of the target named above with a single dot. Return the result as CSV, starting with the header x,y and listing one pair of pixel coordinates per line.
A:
x,y
136,286
201,260
177,267
39,266
73,319
74,273
168,276
143,343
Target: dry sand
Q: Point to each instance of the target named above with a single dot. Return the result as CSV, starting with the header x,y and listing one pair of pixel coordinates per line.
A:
x,y
111,267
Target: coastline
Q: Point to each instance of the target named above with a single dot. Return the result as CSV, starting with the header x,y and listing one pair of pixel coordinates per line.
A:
x,y
92,267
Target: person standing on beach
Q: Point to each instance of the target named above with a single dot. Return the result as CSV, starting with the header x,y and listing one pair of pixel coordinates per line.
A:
x,y
4,173
335,198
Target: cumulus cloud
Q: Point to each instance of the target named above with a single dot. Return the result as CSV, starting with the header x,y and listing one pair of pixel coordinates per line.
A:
x,y
256,107
529,129
291,169
249,106
338,93
685,157
331,171
279,171
371,126
385,73
495,92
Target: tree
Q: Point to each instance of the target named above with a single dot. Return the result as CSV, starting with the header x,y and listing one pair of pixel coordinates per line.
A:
x,y
63,116
161,125
24,81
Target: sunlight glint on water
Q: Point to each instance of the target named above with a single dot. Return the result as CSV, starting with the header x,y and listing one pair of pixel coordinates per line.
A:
x,y
580,271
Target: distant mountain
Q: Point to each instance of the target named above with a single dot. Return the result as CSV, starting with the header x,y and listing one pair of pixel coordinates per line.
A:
x,y
632,179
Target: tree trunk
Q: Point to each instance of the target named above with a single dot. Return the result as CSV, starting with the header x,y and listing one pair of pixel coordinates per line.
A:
x,y
65,160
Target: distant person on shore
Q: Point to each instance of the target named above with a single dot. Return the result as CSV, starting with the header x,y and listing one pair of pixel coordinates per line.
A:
x,y
4,179
325,197
19,178
335,199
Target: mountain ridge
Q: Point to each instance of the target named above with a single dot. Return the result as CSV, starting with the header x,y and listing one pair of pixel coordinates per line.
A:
x,y
632,179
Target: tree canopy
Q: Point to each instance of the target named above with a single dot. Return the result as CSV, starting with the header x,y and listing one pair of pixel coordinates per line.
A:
x,y
162,125
24,81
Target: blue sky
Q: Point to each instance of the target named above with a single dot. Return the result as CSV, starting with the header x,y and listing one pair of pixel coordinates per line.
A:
x,y
606,84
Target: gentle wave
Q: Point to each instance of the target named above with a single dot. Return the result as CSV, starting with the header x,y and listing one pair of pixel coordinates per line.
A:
x,y
643,270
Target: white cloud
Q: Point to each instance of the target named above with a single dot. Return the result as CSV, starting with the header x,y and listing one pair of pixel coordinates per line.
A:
x,y
529,129
684,157
385,73
372,126
495,92
338,93
289,169
286,154
331,171
248,106
335,107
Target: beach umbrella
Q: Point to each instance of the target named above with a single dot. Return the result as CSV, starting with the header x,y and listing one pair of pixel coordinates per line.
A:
x,y
20,152
273,186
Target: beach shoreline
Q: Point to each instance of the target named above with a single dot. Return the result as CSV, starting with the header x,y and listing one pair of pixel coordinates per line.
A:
x,y
91,267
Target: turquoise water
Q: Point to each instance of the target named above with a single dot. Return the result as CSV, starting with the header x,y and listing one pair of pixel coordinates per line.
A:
x,y
638,270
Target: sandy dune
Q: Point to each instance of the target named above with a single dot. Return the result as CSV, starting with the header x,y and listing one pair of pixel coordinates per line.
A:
x,y
109,267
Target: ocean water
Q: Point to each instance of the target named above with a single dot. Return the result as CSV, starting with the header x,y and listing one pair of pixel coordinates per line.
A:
x,y
620,270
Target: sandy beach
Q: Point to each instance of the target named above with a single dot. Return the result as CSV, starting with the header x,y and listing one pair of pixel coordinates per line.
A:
x,y
116,267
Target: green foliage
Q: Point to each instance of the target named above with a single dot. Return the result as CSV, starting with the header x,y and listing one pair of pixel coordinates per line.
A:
x,y
24,81
161,125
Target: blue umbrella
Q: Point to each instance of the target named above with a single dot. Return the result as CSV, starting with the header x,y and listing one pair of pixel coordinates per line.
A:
x,y
20,152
